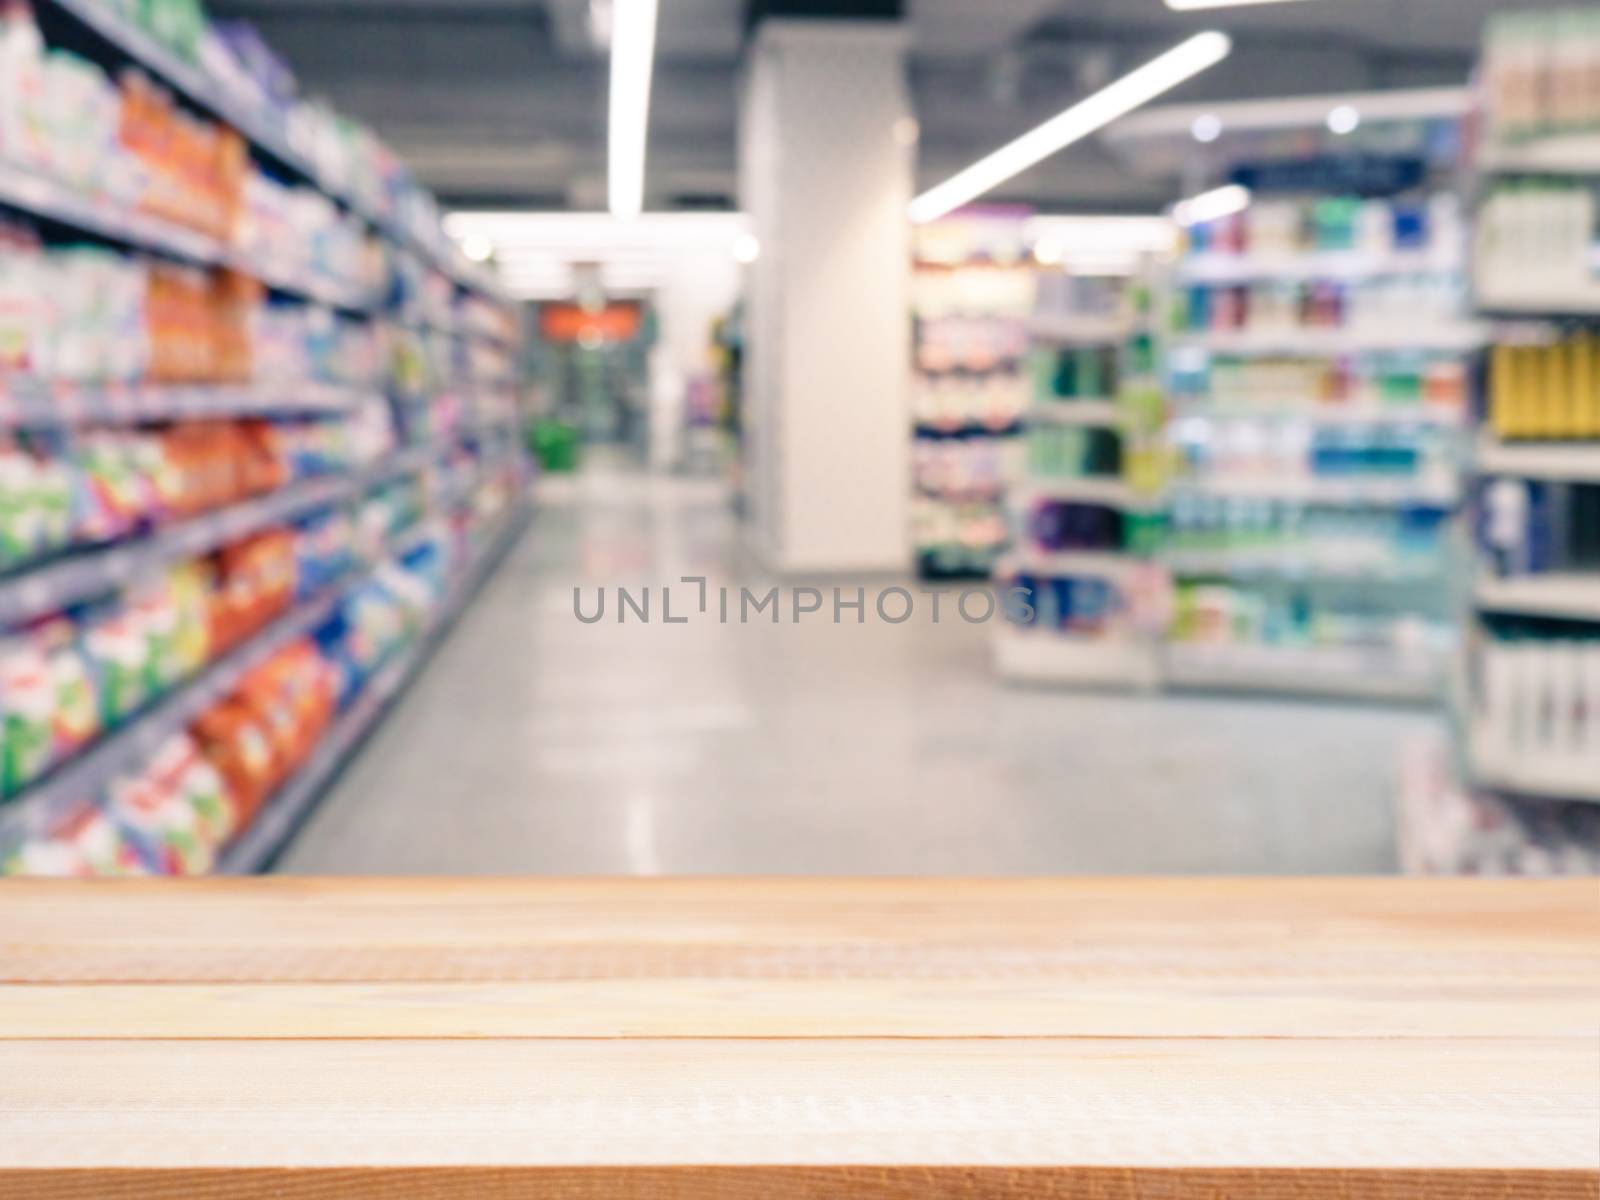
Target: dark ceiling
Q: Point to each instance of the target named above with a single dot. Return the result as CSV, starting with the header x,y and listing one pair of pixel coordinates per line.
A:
x,y
502,102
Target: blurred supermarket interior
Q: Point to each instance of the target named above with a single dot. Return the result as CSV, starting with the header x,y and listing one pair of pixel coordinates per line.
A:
x,y
799,437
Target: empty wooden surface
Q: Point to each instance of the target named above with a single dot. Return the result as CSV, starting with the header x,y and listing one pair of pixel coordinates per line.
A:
x,y
434,1038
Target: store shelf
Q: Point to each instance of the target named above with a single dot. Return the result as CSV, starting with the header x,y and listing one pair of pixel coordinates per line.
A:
x,y
1331,492
1118,568
1520,297
1079,330
1324,413
1101,414
43,404
262,129
1112,492
134,742
1569,462
1044,656
1563,597
269,834
1334,672
1216,268
112,219
1569,154
1538,780
1323,343
1290,564
89,573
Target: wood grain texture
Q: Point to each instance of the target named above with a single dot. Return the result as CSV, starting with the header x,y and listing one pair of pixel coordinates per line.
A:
x,y
800,1183
739,1038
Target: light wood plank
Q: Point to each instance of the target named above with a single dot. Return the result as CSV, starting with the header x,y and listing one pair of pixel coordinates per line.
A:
x,y
1500,1104
1355,1005
801,1183
378,930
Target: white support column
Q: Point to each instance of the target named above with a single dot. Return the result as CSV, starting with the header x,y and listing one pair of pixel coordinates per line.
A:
x,y
825,172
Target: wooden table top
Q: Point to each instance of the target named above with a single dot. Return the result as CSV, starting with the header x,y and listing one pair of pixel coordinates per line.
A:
x,y
1096,1038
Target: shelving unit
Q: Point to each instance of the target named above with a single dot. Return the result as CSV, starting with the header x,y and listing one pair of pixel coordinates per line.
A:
x,y
1083,516
1320,370
462,489
972,289
1526,708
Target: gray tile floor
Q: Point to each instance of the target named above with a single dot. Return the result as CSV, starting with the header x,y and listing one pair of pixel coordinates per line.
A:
x,y
535,744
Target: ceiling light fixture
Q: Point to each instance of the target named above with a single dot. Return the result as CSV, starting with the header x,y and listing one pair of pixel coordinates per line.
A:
x,y
477,247
746,248
1344,119
633,52
1212,206
1197,5
1207,128
1139,87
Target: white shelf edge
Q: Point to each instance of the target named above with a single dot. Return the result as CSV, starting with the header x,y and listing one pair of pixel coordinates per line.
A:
x,y
1099,414
45,403
1537,781
1217,267
1313,490
1113,493
1567,597
1323,414
1314,343
1288,564
1574,462
1119,567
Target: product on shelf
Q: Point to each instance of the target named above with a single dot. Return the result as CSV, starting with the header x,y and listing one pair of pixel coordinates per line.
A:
x,y
964,465
259,735
1529,527
1067,373
1290,614
1071,451
957,537
1426,231
1546,391
1259,532
1302,454
1538,238
954,400
1538,73
1535,715
1062,525
1377,385
1081,606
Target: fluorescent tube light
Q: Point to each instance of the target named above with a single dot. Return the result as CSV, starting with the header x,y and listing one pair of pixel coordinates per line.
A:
x,y
1212,205
1197,5
1139,87
633,52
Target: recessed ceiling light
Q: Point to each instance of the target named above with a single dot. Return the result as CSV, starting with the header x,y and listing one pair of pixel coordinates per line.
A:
x,y
746,248
478,248
1207,127
1139,87
1344,119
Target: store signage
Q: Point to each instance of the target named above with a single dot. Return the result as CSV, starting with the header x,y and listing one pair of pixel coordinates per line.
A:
x,y
1347,175
619,321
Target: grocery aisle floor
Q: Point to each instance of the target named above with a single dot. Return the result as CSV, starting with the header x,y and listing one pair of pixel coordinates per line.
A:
x,y
537,744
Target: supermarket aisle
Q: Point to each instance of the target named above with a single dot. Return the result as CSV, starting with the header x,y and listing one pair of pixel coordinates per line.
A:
x,y
537,744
